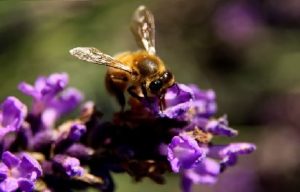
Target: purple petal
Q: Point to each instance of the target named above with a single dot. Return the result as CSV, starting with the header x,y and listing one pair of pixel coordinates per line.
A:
x,y
42,139
58,81
80,151
204,173
10,160
204,108
182,99
237,149
67,101
55,83
44,90
4,171
220,127
9,185
29,167
213,126
228,154
76,131
25,184
178,94
40,84
183,93
34,91
208,95
184,152
184,111
12,113
192,92
228,161
71,166
178,111
197,122
49,117
29,90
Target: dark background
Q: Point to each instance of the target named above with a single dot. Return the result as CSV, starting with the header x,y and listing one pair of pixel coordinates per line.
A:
x,y
247,51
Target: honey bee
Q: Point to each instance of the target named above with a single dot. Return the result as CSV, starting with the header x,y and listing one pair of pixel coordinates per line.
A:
x,y
142,73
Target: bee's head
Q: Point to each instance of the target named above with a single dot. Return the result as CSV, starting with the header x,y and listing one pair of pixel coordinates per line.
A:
x,y
159,85
153,73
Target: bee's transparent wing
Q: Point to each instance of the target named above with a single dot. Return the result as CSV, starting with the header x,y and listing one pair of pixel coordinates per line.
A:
x,y
143,29
93,55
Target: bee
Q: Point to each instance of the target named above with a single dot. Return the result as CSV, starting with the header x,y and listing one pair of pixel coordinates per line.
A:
x,y
142,73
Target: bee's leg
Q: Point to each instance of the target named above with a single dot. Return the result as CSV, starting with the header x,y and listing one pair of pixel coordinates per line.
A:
x,y
115,86
162,102
132,91
121,99
144,91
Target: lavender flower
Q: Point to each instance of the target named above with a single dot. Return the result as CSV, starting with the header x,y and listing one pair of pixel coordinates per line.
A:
x,y
12,115
69,165
229,153
183,98
184,153
179,139
50,100
206,172
44,90
191,152
18,172
76,131
214,126
80,151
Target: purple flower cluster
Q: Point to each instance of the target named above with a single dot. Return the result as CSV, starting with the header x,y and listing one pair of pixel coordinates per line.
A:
x,y
191,152
18,172
32,147
41,153
50,99
12,114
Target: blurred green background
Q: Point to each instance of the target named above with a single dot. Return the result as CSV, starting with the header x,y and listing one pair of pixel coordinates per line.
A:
x,y
247,51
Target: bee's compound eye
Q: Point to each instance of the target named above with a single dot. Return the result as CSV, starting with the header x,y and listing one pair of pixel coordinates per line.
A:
x,y
155,85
